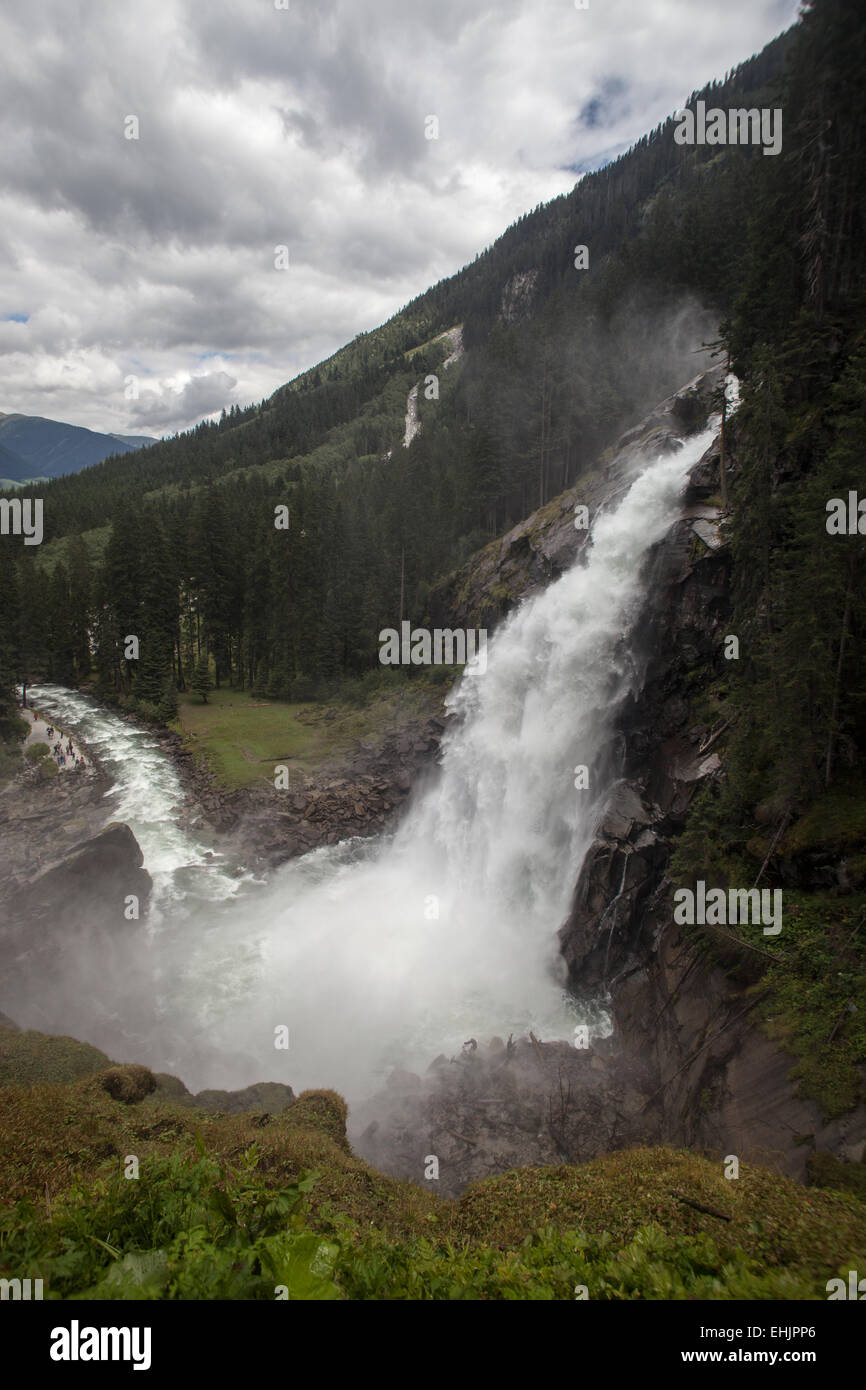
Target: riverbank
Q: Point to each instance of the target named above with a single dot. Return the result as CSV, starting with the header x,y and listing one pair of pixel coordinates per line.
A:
x,y
313,775
67,752
351,776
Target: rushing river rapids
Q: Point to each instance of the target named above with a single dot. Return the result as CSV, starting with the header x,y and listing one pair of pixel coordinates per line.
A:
x,y
375,953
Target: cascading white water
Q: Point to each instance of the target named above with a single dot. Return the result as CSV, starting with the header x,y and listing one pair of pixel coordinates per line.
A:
x,y
387,952
145,792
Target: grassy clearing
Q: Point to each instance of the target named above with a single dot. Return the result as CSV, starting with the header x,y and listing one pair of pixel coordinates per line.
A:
x,y
241,737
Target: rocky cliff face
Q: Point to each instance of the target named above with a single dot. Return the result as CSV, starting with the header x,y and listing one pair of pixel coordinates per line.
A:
x,y
720,1084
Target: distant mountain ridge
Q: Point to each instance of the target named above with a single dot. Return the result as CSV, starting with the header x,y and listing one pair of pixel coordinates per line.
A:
x,y
32,446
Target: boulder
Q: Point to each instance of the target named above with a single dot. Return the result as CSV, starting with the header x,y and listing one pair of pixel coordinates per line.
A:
x,y
270,1097
88,887
129,1083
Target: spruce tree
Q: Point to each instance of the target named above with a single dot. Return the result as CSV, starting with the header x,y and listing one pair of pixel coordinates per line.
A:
x,y
201,681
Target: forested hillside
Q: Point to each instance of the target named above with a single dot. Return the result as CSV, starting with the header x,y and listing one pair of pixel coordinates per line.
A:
x,y
797,338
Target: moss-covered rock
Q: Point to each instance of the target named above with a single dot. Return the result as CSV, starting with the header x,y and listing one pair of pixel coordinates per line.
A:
x,y
169,1086
128,1083
27,1057
269,1096
324,1111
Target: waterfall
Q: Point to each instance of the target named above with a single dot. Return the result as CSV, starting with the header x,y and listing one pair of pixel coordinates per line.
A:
x,y
375,953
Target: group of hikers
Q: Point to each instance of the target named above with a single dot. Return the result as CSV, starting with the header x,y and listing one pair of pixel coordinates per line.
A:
x,y
64,753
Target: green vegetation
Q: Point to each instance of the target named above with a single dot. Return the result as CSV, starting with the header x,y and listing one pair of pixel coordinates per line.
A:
x,y
812,977
201,681
240,738
817,997
232,1206
28,1058
35,752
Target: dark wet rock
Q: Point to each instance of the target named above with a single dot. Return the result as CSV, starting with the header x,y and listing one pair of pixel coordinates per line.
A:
x,y
41,822
89,885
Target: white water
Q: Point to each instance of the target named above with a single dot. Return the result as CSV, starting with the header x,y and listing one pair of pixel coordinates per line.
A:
x,y
344,946
145,792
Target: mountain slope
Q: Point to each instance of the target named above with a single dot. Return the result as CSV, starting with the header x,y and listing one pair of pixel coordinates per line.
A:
x,y
38,447
11,465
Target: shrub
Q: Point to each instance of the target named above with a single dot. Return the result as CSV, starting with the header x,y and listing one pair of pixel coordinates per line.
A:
x,y
129,1083
36,751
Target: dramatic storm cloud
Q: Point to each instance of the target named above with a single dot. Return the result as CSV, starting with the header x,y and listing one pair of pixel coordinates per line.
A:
x,y
301,127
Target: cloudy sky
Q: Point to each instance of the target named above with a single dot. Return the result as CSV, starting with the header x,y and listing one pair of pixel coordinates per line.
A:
x,y
302,126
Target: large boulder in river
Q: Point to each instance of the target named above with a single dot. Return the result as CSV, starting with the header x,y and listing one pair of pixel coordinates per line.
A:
x,y
88,887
